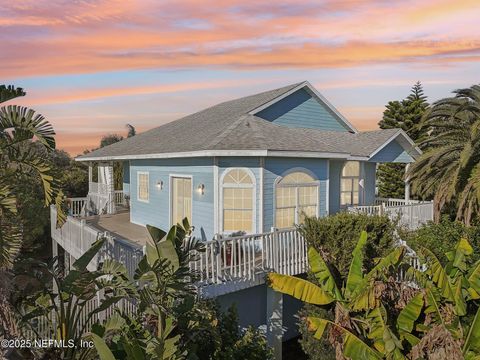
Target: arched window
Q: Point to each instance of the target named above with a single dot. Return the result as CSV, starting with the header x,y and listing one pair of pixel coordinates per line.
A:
x,y
238,201
296,197
350,184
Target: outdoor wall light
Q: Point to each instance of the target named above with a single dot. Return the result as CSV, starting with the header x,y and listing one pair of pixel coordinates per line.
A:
x,y
160,184
201,189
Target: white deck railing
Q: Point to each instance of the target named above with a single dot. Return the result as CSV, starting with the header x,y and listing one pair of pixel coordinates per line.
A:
x,y
250,256
410,214
394,202
79,206
76,236
119,197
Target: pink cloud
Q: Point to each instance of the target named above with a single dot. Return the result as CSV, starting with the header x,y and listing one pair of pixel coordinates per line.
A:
x,y
94,36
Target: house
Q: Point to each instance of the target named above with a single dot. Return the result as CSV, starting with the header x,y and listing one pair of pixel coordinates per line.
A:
x,y
253,167
250,164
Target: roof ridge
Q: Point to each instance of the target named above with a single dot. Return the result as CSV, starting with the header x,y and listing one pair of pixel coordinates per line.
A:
x,y
227,131
290,87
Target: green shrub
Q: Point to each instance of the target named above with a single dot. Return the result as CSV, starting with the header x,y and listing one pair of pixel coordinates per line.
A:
x,y
209,334
252,345
442,237
335,237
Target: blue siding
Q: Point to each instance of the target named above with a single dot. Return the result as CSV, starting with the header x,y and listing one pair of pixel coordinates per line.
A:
x,y
336,167
275,167
300,109
126,177
253,163
369,176
393,152
157,210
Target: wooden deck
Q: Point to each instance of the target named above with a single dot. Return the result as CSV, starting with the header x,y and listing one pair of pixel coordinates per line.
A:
x,y
119,226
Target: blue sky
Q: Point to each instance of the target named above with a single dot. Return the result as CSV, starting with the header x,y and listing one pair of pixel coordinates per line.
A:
x,y
91,66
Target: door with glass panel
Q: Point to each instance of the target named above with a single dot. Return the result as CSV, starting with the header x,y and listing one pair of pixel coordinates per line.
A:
x,y
181,195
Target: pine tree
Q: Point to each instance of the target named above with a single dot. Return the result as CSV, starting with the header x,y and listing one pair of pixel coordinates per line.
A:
x,y
407,115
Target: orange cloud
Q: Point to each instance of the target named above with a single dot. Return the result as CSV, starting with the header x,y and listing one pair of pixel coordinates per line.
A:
x,y
104,35
307,55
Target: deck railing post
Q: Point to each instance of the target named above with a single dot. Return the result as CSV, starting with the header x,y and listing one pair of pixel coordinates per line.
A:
x,y
218,260
274,249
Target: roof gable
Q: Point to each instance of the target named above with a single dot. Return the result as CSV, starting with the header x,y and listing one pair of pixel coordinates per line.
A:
x,y
393,152
301,109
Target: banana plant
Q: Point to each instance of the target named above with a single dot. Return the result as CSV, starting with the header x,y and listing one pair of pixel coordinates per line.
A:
x,y
359,315
448,291
163,281
439,307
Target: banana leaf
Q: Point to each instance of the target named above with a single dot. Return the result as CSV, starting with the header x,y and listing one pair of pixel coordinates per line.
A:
x,y
300,289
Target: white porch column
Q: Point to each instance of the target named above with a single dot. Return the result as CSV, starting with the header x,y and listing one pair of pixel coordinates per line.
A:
x,y
275,321
109,180
260,192
407,184
90,176
106,186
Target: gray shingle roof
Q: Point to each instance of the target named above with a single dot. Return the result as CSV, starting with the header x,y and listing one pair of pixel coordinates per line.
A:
x,y
229,126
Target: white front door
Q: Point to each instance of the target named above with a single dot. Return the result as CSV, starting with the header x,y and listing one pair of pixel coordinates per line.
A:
x,y
181,195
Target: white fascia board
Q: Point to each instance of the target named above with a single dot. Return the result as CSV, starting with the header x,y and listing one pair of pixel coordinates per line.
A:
x,y
316,93
211,153
406,138
308,154
200,153
358,158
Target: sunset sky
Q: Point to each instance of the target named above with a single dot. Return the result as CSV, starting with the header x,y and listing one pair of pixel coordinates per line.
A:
x,y
92,66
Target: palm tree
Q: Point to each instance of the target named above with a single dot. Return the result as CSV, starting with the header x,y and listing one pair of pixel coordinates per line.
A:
x,y
449,169
22,132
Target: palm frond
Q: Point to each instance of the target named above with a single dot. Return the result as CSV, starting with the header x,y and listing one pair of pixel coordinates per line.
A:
x,y
8,92
25,124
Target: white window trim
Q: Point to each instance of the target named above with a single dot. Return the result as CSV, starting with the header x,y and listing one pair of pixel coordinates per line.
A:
x,y
170,196
359,177
148,186
254,197
316,182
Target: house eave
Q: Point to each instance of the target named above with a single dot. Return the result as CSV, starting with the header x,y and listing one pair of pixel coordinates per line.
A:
x,y
220,153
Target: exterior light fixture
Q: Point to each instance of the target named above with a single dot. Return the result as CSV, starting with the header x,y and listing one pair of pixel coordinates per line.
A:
x,y
160,184
201,189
